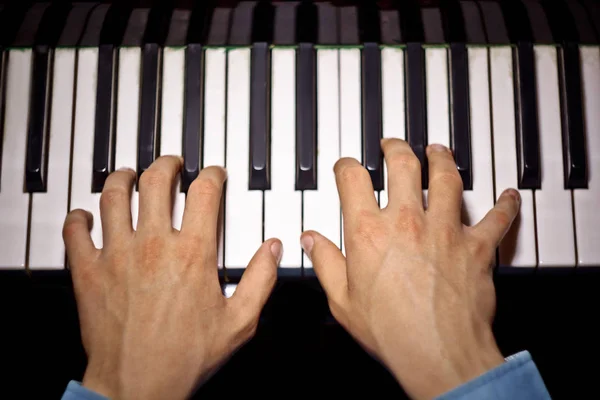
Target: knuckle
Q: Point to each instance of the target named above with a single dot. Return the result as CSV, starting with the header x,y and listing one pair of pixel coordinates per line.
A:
x,y
352,174
154,178
404,161
113,196
70,228
502,217
150,250
448,179
369,230
205,187
410,223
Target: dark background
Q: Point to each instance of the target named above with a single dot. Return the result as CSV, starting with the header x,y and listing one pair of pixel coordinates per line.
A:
x,y
300,350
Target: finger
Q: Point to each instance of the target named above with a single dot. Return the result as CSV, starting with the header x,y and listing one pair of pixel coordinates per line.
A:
x,y
329,264
203,203
257,283
156,194
445,185
497,222
355,187
115,205
78,241
404,173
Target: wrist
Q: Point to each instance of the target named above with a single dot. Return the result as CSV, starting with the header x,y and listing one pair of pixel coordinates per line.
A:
x,y
451,366
100,380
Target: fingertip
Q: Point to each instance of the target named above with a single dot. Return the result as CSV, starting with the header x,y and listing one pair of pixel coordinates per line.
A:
x,y
276,248
307,241
514,194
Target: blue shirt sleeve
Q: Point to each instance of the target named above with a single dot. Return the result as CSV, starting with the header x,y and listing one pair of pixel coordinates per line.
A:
x,y
518,378
75,391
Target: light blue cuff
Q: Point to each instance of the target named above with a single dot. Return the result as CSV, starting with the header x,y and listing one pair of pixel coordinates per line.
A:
x,y
77,392
518,378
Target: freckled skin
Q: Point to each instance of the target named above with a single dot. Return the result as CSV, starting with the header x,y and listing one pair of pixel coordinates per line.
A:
x,y
415,287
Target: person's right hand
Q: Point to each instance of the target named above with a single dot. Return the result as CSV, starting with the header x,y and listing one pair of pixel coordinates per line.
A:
x,y
415,288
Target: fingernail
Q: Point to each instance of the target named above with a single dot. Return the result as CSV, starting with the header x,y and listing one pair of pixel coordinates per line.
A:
x,y
438,148
514,194
126,169
277,251
307,243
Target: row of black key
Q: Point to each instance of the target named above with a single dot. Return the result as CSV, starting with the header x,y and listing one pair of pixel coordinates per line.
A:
x,y
156,29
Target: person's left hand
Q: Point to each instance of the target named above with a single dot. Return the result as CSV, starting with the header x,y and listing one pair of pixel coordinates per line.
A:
x,y
154,322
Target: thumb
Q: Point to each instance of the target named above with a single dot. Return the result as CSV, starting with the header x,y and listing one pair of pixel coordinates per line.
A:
x,y
257,282
329,264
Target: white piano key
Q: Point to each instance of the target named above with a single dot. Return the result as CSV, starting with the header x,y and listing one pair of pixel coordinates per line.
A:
x,y
283,203
48,210
553,206
587,201
14,202
518,249
350,108
214,121
393,105
128,109
83,141
438,111
478,201
172,118
243,210
322,206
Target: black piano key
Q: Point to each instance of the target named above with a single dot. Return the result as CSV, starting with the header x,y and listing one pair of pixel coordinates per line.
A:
x,y
573,130
156,32
307,32
39,109
111,36
260,95
149,107
306,125
528,141
370,36
260,117
525,89
416,119
460,127
413,34
102,163
193,126
11,19
371,110
46,39
564,31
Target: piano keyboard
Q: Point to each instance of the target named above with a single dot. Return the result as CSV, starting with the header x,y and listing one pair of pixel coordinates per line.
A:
x,y
277,92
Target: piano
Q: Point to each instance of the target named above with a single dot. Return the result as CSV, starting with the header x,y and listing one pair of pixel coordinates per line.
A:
x,y
277,92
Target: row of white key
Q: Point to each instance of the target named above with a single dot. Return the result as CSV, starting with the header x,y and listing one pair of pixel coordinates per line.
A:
x,y
548,234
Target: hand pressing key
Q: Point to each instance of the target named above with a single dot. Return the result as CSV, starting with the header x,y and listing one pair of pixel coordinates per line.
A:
x,y
415,288
153,319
